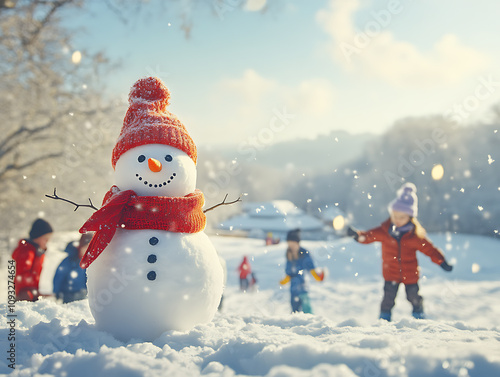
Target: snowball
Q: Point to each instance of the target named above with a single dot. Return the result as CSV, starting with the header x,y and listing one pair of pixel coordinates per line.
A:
x,y
475,268
437,172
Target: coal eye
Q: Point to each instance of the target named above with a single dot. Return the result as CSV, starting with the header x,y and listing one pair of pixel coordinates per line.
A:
x,y
168,158
141,158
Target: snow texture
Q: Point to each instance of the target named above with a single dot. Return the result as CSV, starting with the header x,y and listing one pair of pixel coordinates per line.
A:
x,y
254,333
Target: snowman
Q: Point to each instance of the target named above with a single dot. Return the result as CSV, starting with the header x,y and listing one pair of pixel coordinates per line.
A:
x,y
151,268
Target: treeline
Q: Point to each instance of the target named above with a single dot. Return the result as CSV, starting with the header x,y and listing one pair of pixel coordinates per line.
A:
x,y
462,195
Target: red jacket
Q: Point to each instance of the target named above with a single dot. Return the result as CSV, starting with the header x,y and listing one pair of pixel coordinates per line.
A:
x,y
29,261
399,259
244,268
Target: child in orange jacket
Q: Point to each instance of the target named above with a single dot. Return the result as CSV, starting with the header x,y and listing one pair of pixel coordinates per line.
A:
x,y
401,236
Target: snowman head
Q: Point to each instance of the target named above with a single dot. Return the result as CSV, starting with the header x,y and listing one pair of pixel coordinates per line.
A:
x,y
156,170
154,154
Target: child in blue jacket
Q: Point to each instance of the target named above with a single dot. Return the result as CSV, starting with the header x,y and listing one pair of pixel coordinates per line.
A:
x,y
298,260
70,280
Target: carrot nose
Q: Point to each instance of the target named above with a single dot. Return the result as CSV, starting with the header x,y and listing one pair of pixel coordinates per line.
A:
x,y
154,165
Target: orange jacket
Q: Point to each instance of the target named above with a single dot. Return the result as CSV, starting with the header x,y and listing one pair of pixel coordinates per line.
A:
x,y
399,259
29,262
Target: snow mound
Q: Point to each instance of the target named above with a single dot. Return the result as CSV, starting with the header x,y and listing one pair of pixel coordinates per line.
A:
x,y
290,345
255,335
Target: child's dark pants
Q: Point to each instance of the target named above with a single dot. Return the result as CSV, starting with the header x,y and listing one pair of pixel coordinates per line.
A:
x,y
390,292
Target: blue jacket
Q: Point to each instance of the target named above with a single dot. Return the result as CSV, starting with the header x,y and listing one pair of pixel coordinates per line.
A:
x,y
296,269
70,277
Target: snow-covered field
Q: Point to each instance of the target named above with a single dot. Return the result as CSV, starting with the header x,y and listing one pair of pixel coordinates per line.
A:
x,y
254,333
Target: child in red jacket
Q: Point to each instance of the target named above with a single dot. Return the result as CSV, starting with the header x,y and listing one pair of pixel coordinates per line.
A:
x,y
401,236
245,270
29,255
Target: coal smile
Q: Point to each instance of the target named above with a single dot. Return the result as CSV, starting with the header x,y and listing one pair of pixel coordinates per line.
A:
x,y
156,185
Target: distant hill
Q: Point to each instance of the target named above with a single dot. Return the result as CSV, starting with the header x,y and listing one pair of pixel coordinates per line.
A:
x,y
324,153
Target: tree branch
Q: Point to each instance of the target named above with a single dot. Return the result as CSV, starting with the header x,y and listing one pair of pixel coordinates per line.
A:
x,y
56,197
16,166
223,203
19,132
42,23
116,11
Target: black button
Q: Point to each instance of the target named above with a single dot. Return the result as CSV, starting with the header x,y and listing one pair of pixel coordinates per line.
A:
x,y
151,275
153,241
152,258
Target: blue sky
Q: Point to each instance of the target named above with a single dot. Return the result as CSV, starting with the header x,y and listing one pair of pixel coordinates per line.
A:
x,y
242,66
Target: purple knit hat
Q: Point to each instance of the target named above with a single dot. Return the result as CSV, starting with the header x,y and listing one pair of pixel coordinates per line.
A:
x,y
406,200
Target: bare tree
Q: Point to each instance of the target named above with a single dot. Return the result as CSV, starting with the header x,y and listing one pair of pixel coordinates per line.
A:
x,y
50,96
41,83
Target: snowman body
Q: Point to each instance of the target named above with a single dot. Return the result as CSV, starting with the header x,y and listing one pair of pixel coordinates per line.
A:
x,y
148,281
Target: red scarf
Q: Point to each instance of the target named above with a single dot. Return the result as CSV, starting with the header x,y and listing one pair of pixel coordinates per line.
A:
x,y
127,210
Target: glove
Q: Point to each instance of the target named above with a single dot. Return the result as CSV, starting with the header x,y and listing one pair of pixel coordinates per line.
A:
x,y
285,280
445,266
351,232
318,277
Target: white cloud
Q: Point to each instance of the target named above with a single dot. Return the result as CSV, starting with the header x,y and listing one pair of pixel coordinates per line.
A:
x,y
246,105
254,5
255,93
314,97
251,86
374,51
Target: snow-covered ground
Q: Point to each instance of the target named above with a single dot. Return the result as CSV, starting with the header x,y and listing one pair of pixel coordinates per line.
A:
x,y
254,333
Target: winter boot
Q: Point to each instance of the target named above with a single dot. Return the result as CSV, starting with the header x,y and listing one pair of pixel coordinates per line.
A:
x,y
386,316
418,315
306,303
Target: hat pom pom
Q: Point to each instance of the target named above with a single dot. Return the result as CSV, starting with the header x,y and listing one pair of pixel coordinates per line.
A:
x,y
408,188
151,92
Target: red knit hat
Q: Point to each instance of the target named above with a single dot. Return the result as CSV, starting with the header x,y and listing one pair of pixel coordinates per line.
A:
x,y
148,122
